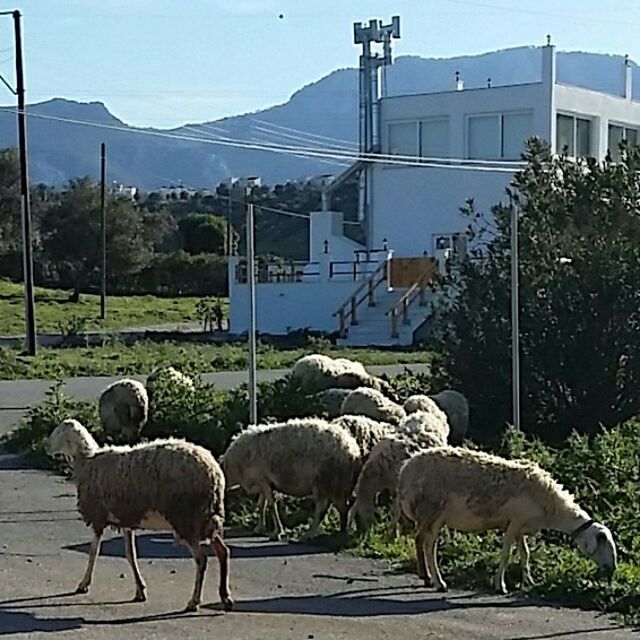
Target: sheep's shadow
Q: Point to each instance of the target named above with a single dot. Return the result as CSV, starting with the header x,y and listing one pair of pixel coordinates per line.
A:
x,y
162,546
12,622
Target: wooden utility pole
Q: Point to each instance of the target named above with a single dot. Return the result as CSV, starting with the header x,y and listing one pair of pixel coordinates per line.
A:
x,y
27,247
251,289
103,230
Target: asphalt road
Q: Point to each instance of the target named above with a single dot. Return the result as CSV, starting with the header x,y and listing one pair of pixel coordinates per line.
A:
x,y
17,395
281,590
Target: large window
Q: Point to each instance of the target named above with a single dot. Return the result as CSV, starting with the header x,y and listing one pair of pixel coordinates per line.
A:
x,y
434,138
618,133
573,135
499,136
403,138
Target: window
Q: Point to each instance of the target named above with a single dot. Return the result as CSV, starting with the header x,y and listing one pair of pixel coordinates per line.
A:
x,y
500,136
484,137
434,138
573,135
618,133
516,129
403,138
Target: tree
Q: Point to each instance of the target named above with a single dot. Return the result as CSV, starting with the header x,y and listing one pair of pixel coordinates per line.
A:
x,y
10,209
71,236
203,233
579,238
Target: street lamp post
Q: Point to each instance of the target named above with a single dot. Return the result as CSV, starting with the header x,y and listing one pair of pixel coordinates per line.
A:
x,y
515,319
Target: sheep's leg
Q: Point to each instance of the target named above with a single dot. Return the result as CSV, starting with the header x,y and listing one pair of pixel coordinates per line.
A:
x,y
222,553
322,505
278,532
343,509
507,542
94,551
201,566
423,571
523,552
431,551
261,528
130,551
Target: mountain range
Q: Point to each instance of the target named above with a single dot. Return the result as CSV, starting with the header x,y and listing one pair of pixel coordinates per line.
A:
x,y
320,114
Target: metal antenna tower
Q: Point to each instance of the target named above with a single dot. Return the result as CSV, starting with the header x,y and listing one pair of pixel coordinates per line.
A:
x,y
369,105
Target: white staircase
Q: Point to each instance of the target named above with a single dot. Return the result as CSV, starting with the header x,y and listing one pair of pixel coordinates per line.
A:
x,y
374,326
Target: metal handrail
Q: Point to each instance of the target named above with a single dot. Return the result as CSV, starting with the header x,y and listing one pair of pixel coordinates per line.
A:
x,y
418,288
353,302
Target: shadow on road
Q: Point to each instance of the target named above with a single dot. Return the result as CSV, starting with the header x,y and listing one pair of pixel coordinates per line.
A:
x,y
162,546
23,622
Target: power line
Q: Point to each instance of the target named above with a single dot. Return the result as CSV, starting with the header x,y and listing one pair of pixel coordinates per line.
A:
x,y
577,15
279,134
309,134
494,166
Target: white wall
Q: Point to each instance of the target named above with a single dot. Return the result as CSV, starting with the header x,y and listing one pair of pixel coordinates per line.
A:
x,y
281,308
413,204
329,225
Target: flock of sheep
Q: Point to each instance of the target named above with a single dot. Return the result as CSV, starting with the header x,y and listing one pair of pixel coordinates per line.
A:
x,y
368,446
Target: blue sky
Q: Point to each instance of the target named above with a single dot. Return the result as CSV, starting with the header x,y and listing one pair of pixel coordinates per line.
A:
x,y
166,62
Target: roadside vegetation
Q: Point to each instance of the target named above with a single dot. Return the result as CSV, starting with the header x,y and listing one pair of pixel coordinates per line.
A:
x,y
115,358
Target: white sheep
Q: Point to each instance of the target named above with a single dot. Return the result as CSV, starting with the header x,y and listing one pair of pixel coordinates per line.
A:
x,y
168,376
319,372
301,457
373,404
163,485
380,471
332,399
366,431
475,491
124,409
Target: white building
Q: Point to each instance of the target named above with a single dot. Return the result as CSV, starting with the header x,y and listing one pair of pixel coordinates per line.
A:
x,y
413,211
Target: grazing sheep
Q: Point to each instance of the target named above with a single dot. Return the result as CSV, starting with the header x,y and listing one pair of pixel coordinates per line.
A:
x,y
169,376
366,431
163,485
419,431
332,399
124,409
319,372
456,406
475,491
371,403
301,457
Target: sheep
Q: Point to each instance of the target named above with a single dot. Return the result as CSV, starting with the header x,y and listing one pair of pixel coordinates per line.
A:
x,y
371,403
380,471
124,409
301,457
475,491
162,485
332,399
170,376
319,372
366,431
456,406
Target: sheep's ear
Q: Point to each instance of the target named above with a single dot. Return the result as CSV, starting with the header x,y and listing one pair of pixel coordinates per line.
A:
x,y
601,537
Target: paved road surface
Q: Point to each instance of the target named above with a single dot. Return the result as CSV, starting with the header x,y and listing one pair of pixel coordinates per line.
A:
x,y
281,591
16,395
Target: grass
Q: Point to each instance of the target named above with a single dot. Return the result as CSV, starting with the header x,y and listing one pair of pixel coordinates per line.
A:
x,y
115,358
53,309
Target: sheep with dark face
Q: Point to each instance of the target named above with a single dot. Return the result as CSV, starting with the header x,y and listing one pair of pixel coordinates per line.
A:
x,y
163,485
124,410
474,491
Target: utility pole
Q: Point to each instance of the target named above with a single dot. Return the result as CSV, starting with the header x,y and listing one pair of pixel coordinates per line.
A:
x,y
515,318
27,247
103,231
229,211
251,286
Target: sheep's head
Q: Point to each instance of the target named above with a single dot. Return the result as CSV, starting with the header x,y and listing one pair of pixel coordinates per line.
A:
x,y
69,439
361,513
596,541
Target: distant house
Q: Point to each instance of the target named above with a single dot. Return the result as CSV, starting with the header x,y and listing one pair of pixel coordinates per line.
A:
x,y
452,145
123,191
